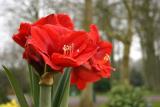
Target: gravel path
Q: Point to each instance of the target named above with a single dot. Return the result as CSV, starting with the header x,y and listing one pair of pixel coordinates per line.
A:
x,y
74,101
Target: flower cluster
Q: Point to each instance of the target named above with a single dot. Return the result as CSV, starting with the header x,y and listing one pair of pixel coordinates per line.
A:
x,y
12,103
54,42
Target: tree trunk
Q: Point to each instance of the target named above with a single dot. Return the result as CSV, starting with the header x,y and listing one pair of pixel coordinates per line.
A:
x,y
87,14
87,97
87,94
125,64
148,32
125,67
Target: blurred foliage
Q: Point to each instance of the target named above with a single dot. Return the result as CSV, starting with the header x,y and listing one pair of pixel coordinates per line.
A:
x,y
3,88
103,85
126,96
22,77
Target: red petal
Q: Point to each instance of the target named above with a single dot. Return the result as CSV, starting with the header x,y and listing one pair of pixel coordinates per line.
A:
x,y
56,19
50,19
81,85
33,53
75,80
65,21
20,39
94,34
79,41
22,35
62,60
107,46
39,39
85,74
86,54
48,61
47,38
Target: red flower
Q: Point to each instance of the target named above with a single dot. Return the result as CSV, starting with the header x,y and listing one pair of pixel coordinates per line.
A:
x,y
24,33
54,19
96,67
33,58
61,47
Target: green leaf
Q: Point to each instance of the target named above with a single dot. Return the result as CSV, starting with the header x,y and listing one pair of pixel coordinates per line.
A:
x,y
62,91
16,87
65,98
56,77
34,84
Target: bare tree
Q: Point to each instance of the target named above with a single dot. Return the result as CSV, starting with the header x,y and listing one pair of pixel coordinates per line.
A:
x,y
115,15
147,18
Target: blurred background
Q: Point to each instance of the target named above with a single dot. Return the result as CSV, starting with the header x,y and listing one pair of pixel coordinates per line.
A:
x,y
133,27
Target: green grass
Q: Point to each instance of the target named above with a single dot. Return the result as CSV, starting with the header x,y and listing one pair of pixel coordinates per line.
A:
x,y
104,105
156,104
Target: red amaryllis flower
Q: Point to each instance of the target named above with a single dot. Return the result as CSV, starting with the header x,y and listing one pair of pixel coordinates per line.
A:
x,y
54,19
96,67
61,47
31,54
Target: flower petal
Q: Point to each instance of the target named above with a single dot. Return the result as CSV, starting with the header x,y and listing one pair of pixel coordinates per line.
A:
x,y
86,74
75,80
56,19
65,21
34,56
94,34
22,35
107,46
86,54
82,75
79,41
62,60
47,38
50,19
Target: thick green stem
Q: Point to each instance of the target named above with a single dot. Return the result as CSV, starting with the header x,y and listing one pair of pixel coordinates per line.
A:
x,y
45,95
45,83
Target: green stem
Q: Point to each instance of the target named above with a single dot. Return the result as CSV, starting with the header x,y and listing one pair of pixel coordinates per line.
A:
x,y
65,98
45,95
45,83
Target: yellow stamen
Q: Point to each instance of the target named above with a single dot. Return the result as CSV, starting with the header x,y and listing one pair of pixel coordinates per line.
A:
x,y
106,58
68,49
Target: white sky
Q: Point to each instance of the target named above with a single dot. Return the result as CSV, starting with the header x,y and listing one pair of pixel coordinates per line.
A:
x,y
135,52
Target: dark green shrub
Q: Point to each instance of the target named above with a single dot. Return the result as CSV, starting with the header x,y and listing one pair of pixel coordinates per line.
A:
x,y
103,85
126,96
136,78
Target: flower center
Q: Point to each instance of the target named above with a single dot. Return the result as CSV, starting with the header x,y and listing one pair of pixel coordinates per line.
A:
x,y
68,49
106,58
